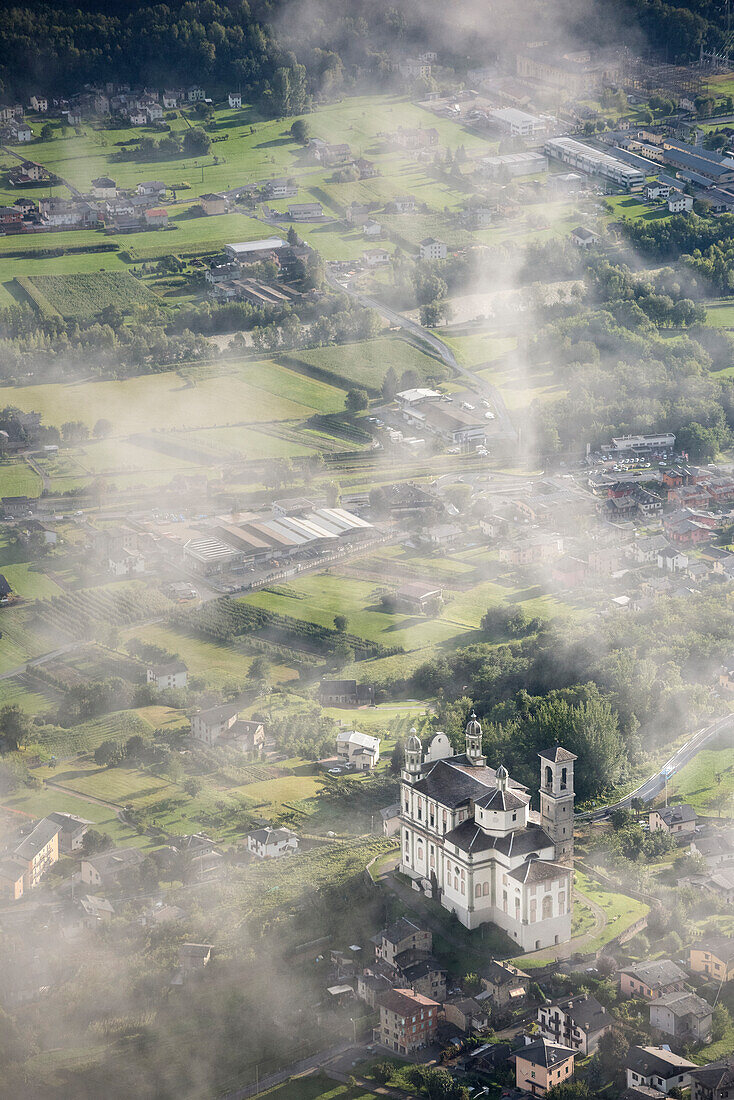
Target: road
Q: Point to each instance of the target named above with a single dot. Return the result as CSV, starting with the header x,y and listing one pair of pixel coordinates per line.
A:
x,y
655,783
316,1061
445,354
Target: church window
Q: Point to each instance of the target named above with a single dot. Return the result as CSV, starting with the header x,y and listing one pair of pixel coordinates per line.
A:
x,y
432,816
533,910
478,890
420,810
420,850
504,900
485,889
444,821
547,907
514,817
548,777
564,778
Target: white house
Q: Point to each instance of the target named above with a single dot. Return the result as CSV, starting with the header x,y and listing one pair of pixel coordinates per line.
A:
x,y
359,749
374,257
470,840
223,725
672,559
39,103
270,843
234,99
583,237
371,228
170,98
104,188
431,249
171,674
151,188
680,203
405,205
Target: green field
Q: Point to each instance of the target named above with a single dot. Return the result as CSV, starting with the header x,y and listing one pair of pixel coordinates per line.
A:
x,y
317,1087
84,295
620,909
707,781
366,363
17,479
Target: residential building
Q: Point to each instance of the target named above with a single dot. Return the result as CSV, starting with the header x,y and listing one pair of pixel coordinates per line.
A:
x,y
651,980
408,1020
406,204
234,99
155,189
431,249
305,211
657,1068
12,878
104,188
575,72
678,820
194,956
401,937
683,1015
358,749
376,257
466,1014
713,958
280,189
270,843
716,850
372,228
542,1064
39,103
713,1082
195,94
415,69
469,840
156,217
345,693
426,976
170,674
37,852
680,203
584,237
419,598
109,869
577,1022
213,204
71,830
656,190
222,725
506,984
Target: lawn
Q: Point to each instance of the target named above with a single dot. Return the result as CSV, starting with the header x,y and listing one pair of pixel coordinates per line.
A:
x,y
217,664
697,782
120,785
720,314
35,804
248,393
631,206
26,577
366,363
479,349
19,480
520,385
621,910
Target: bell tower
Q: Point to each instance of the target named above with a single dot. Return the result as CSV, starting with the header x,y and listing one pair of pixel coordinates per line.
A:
x,y
556,799
413,758
473,734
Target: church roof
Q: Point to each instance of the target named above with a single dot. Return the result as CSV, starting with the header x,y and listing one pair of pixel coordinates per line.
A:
x,y
538,870
468,837
502,800
454,780
557,755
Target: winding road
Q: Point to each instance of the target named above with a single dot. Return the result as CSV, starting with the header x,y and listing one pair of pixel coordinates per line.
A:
x,y
655,783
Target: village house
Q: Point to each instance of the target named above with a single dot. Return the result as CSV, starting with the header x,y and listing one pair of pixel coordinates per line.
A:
x,y
419,138
360,750
151,189
405,205
683,1015
71,830
408,1020
39,104
584,238
345,693
400,937
170,98
542,1064
657,1068
577,1022
431,249
418,598
679,820
506,984
194,956
370,986
376,257
222,725
651,980
213,203
466,1014
425,976
156,218
713,958
170,674
95,911
716,850
234,99
679,202
305,211
11,880
357,213
270,843
280,189
195,94
37,852
372,228
366,168
713,1082
108,869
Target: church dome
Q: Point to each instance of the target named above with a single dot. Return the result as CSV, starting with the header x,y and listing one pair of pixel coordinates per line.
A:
x,y
414,744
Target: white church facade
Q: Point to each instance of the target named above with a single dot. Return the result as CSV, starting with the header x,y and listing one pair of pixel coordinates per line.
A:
x,y
469,837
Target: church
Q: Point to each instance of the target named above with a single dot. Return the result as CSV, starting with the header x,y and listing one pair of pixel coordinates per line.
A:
x,y
471,841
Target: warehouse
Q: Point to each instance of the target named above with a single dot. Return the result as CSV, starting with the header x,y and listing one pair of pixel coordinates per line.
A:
x,y
595,162
513,164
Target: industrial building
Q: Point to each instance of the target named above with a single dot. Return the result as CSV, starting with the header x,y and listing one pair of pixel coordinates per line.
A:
x,y
517,123
513,164
595,162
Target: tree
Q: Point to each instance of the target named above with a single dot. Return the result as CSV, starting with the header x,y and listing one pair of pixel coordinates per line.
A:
x,y
15,727
292,236
74,431
95,841
260,668
102,429
382,1072
193,786
356,400
108,754
340,623
47,131
300,131
196,142
397,757
389,384
721,1021
613,1048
